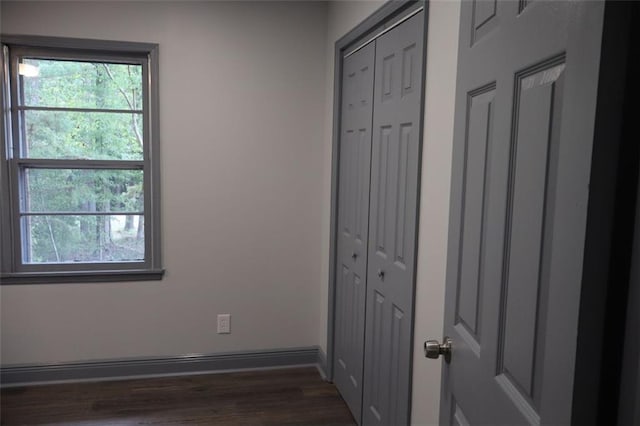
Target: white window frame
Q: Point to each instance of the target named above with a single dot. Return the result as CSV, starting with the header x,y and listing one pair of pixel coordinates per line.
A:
x,y
13,269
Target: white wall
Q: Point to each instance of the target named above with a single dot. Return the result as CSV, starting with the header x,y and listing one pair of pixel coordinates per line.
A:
x,y
442,48
242,92
442,62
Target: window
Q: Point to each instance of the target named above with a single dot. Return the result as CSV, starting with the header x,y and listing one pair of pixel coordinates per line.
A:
x,y
80,184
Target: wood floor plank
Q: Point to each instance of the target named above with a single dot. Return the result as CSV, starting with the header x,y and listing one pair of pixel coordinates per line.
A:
x,y
296,396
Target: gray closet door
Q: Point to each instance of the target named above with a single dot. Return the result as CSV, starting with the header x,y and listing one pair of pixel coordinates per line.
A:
x,y
524,128
353,224
392,228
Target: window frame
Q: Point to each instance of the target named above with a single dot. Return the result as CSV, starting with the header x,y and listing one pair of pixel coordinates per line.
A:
x,y
13,269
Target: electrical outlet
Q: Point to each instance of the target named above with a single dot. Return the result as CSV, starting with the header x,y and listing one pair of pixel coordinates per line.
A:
x,y
224,323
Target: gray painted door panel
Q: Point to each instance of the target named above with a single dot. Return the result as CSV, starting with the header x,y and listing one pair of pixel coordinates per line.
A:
x,y
392,223
353,224
525,108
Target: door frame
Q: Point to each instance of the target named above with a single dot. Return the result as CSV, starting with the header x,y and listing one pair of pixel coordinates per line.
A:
x,y
610,221
619,372
384,17
626,323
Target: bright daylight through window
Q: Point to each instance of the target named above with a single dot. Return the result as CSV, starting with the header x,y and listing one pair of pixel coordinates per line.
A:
x,y
80,179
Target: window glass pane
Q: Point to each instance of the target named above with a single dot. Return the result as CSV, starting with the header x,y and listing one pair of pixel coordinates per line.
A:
x,y
80,190
72,239
70,84
82,135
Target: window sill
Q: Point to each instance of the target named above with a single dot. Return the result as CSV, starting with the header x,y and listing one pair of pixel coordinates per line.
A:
x,y
80,276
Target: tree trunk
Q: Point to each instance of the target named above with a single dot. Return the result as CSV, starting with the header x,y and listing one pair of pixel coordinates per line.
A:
x,y
140,233
128,224
98,236
84,225
107,224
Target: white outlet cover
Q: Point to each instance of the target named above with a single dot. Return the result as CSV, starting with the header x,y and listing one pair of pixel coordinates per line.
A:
x,y
224,323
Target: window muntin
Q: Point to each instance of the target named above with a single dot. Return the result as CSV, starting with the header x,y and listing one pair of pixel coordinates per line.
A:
x,y
79,156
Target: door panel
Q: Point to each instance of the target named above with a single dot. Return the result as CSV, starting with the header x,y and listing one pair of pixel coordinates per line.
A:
x,y
480,119
529,228
353,224
394,184
525,108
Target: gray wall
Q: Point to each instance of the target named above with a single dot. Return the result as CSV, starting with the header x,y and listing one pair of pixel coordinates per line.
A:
x,y
242,92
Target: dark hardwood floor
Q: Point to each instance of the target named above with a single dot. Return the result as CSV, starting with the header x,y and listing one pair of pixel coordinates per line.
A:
x,y
296,396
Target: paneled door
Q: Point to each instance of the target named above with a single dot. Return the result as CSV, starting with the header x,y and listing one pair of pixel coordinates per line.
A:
x,y
353,224
392,224
524,130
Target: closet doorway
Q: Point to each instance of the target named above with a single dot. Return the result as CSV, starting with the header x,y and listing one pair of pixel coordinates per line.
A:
x,y
376,177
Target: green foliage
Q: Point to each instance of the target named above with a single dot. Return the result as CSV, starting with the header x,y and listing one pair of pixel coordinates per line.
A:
x,y
55,239
83,85
99,135
69,190
82,135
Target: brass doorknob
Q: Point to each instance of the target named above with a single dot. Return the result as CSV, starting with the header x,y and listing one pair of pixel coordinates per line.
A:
x,y
433,349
